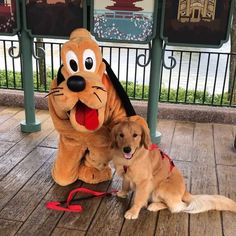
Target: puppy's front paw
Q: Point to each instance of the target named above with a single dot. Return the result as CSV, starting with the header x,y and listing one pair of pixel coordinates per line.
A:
x,y
122,194
131,214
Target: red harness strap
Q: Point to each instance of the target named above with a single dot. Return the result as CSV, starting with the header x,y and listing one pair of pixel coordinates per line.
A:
x,y
163,155
67,206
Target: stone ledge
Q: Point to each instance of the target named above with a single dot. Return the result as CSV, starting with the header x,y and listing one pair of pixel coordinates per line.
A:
x,y
192,113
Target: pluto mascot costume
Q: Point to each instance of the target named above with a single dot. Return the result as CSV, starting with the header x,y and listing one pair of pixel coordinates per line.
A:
x,y
85,100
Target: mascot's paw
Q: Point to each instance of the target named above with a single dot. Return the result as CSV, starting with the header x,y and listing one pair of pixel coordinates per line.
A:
x,y
92,175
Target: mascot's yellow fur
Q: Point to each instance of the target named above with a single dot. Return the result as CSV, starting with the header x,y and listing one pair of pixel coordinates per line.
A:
x,y
83,104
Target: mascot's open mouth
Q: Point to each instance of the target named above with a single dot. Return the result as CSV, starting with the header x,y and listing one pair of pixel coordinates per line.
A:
x,y
86,116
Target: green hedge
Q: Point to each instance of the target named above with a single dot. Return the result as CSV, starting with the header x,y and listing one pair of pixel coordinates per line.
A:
x,y
134,91
177,96
13,80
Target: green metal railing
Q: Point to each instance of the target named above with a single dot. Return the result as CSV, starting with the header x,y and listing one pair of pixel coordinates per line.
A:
x,y
199,77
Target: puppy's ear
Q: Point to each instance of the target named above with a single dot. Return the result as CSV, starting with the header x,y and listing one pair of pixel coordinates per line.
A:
x,y
146,139
114,128
113,136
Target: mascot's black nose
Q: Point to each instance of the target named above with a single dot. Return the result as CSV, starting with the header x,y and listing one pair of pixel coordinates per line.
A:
x,y
127,149
76,83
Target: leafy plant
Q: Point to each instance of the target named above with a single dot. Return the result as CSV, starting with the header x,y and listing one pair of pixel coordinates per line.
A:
x,y
12,80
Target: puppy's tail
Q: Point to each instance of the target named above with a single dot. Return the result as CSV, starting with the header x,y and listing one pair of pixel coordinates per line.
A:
x,y
202,203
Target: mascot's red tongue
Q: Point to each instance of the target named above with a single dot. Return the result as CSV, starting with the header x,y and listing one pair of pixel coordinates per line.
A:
x,y
86,116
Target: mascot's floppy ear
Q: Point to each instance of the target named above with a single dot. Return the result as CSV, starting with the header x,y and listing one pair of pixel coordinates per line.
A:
x,y
120,90
60,77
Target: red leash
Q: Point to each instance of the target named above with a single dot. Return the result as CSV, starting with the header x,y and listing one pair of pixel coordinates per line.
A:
x,y
68,206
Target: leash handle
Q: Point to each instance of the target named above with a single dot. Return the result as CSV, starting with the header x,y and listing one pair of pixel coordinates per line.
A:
x,y
57,206
75,207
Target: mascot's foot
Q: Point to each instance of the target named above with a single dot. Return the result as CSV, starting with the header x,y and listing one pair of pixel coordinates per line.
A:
x,y
62,179
92,175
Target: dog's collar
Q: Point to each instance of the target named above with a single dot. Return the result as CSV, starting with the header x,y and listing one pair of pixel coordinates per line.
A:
x,y
153,147
125,168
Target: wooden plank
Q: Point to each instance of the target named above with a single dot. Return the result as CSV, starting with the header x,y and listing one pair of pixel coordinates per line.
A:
x,y
175,224
82,221
11,131
166,127
23,148
66,232
2,108
42,221
51,140
26,200
223,141
203,178
5,146
11,128
145,223
182,143
14,181
8,228
110,215
12,122
203,144
227,187
8,112
234,137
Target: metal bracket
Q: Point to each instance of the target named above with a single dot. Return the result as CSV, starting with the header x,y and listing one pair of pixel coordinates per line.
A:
x,y
11,49
172,65
38,52
146,60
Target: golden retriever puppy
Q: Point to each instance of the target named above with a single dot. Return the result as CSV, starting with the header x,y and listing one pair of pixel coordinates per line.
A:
x,y
152,174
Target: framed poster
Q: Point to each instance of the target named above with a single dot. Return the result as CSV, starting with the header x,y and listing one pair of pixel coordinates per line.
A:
x,y
204,23
53,18
131,21
9,18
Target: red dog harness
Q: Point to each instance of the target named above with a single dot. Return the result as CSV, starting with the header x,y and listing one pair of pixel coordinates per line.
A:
x,y
163,155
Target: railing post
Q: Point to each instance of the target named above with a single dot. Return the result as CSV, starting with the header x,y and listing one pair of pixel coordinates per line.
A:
x,y
30,124
154,85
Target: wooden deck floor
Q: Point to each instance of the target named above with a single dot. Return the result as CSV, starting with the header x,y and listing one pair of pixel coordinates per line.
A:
x,y
204,152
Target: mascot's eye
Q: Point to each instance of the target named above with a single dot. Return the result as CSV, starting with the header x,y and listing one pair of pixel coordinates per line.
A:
x,y
72,62
88,63
89,60
73,65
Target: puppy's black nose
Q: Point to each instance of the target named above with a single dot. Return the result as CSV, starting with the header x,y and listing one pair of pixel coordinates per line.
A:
x,y
76,83
127,149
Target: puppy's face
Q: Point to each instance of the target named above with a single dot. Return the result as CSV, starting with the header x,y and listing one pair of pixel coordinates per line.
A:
x,y
128,137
